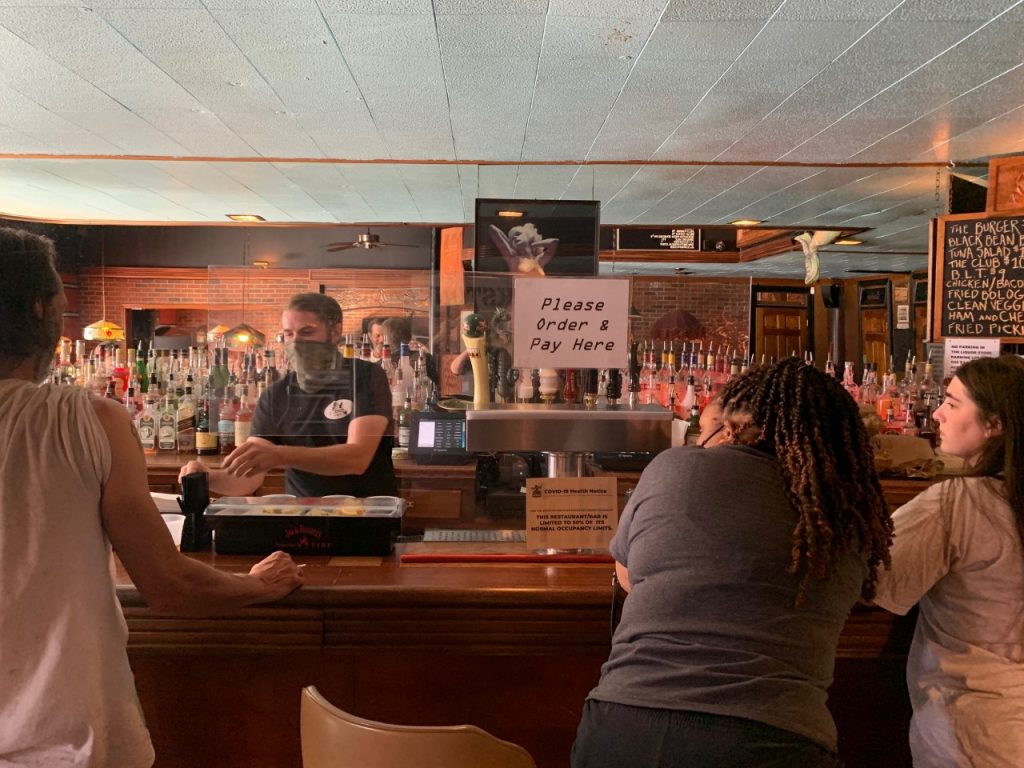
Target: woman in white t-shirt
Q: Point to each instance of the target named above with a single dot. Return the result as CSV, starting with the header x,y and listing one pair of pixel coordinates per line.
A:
x,y
957,553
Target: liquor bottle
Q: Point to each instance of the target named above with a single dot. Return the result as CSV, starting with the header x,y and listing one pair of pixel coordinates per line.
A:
x,y
141,372
185,419
270,372
892,427
111,391
226,421
925,422
869,386
693,426
206,434
243,418
405,423
909,425
647,380
734,368
130,404
408,375
848,382
386,363
147,427
690,398
666,379
167,433
219,374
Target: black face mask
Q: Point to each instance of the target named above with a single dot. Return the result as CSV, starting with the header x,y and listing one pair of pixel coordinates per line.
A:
x,y
703,443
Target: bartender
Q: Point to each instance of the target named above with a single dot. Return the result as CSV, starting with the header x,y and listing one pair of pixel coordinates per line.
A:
x,y
327,423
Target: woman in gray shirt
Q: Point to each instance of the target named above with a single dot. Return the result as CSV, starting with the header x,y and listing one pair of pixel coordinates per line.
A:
x,y
742,563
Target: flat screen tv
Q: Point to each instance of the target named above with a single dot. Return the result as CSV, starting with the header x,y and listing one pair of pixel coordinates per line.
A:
x,y
537,237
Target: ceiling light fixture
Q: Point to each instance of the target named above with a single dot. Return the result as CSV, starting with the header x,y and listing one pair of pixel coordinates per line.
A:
x,y
848,241
261,263
103,330
511,214
250,218
746,222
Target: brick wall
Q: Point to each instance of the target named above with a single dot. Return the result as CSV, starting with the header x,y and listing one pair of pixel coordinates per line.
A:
x,y
673,308
720,308
207,298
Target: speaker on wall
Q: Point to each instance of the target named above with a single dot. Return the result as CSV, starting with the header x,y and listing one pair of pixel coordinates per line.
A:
x,y
831,295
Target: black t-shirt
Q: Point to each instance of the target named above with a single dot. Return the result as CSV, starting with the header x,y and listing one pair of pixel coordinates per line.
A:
x,y
286,415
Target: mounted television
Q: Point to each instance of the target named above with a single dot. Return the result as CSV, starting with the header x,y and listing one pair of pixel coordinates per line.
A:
x,y
537,237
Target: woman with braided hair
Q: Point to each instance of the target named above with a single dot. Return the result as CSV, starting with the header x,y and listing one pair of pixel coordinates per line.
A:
x,y
957,554
742,562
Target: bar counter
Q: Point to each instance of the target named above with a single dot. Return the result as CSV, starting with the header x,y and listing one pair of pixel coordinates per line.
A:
x,y
446,496
512,648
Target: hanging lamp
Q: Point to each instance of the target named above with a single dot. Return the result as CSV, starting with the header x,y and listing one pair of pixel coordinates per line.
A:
x,y
243,335
103,330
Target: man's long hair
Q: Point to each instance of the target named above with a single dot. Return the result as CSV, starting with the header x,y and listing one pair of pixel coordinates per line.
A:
x,y
813,428
27,276
996,386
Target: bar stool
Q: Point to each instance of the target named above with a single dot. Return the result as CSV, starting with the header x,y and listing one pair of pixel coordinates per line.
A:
x,y
333,738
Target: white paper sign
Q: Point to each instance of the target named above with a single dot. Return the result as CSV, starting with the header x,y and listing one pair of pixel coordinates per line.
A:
x,y
570,512
570,322
960,351
902,316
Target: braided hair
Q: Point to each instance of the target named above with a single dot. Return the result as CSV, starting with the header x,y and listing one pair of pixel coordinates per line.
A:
x,y
813,428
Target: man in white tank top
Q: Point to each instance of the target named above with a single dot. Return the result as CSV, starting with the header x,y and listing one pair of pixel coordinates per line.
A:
x,y
67,695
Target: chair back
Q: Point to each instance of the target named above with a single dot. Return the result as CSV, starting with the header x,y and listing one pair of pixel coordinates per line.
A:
x,y
332,738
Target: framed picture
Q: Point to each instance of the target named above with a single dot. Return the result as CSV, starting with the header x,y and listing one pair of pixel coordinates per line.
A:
x,y
537,237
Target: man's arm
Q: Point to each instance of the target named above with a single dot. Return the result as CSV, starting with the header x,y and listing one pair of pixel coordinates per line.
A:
x,y
257,455
168,580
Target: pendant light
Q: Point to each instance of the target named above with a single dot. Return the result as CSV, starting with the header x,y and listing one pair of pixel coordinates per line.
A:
x,y
103,330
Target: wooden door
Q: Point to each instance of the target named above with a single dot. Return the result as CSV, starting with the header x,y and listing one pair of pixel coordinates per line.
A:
x,y
782,331
781,321
875,323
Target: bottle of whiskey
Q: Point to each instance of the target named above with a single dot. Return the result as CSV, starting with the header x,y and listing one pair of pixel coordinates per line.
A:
x,y
206,434
405,423
167,433
185,419
147,427
226,421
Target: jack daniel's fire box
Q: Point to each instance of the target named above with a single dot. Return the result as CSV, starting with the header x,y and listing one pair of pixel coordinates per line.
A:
x,y
332,525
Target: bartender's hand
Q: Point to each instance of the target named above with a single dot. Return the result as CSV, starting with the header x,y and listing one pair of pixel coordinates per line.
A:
x,y
192,467
279,575
253,457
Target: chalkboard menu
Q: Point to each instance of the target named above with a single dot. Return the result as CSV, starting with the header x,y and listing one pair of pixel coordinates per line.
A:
x,y
659,239
979,278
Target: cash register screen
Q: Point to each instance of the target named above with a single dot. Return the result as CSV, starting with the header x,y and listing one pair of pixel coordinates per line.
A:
x,y
438,438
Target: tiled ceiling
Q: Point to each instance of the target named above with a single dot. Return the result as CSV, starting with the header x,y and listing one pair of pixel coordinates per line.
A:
x,y
809,113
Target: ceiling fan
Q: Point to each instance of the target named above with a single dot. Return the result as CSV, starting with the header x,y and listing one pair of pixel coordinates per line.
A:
x,y
366,240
